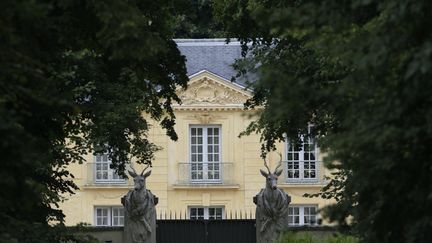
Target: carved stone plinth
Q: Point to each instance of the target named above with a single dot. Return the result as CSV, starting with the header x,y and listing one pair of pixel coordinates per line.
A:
x,y
271,216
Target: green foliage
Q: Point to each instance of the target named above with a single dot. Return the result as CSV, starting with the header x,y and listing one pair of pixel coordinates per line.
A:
x,y
43,233
301,237
360,72
76,77
195,19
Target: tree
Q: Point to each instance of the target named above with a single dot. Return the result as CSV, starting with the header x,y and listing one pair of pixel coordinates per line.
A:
x,y
360,72
195,19
76,77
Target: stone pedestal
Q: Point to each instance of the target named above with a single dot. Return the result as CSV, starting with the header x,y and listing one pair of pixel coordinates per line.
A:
x,y
271,214
139,217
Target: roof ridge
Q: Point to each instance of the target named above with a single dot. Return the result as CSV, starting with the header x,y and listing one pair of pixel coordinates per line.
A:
x,y
206,42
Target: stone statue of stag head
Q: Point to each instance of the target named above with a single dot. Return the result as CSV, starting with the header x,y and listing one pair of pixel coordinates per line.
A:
x,y
139,179
271,178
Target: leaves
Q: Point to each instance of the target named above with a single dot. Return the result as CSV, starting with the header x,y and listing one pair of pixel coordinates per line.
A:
x,y
359,71
76,77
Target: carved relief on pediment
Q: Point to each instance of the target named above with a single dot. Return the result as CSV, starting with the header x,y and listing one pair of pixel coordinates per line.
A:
x,y
207,91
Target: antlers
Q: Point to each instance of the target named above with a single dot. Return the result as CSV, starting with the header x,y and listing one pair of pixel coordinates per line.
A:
x,y
134,173
280,162
265,164
148,165
277,167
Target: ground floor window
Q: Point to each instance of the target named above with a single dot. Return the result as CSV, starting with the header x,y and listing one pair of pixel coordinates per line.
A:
x,y
302,215
196,213
109,216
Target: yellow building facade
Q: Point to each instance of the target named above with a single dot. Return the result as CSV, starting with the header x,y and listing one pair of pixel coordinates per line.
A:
x,y
209,173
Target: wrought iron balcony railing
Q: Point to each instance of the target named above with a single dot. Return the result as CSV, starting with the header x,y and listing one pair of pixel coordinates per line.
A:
x,y
190,173
101,174
303,172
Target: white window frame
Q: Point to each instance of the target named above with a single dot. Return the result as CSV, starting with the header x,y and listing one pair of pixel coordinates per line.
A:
x,y
302,215
110,215
206,211
205,154
302,162
111,173
119,217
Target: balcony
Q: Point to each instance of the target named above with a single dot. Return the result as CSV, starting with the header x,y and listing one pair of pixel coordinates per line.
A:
x,y
100,175
303,173
206,175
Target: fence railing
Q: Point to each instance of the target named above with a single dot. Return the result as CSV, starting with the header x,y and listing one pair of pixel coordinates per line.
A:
x,y
183,215
99,174
303,172
190,173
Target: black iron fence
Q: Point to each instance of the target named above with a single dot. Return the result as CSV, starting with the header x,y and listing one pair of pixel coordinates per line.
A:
x,y
200,231
206,231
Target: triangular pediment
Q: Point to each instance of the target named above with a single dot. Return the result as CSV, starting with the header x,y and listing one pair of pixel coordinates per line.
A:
x,y
209,91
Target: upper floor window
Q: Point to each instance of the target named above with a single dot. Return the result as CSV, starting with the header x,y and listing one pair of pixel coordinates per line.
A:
x,y
301,159
302,215
205,153
109,216
103,172
196,213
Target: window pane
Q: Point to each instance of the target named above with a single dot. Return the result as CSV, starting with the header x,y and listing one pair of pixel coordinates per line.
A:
x,y
290,156
312,174
312,156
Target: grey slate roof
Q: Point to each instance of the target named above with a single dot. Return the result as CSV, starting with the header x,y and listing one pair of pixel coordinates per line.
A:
x,y
213,55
